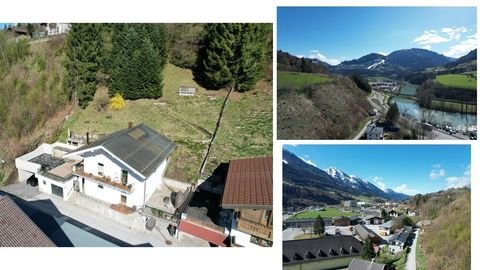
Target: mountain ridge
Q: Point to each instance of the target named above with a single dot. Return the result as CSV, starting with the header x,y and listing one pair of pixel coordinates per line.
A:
x,y
329,186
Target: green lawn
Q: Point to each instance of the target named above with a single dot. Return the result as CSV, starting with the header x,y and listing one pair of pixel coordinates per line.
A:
x,y
457,80
397,260
298,80
328,213
189,121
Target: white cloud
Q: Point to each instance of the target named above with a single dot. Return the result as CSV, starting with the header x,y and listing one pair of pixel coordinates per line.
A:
x,y
437,172
430,37
459,181
406,190
306,156
379,182
454,33
462,48
315,54
309,162
427,47
445,34
383,53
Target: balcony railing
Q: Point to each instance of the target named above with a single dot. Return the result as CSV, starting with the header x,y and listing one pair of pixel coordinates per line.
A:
x,y
79,170
255,229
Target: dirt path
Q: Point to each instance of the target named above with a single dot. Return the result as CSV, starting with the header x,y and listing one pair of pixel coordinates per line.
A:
x,y
360,133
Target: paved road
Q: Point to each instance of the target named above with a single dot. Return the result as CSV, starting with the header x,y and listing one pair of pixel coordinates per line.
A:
x,y
359,134
411,259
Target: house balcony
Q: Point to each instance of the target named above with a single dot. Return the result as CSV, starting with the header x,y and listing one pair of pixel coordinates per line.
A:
x,y
79,171
256,229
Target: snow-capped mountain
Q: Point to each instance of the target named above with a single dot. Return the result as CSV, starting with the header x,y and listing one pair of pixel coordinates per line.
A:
x,y
304,184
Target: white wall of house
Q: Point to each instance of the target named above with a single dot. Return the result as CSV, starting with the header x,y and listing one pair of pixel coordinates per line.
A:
x,y
113,169
45,185
242,239
155,180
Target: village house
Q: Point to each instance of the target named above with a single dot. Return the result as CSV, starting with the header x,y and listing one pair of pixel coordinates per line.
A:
x,y
373,220
386,228
393,213
341,221
411,213
124,167
397,242
374,133
249,192
365,233
330,252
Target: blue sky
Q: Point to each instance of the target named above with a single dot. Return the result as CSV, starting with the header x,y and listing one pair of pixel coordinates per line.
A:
x,y
409,169
335,34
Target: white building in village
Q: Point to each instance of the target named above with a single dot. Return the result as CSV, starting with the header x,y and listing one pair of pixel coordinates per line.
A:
x,y
124,167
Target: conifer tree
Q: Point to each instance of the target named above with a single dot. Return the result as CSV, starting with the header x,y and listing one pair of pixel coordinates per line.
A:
x,y
82,63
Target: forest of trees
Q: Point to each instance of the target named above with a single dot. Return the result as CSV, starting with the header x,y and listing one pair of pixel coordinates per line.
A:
x,y
130,58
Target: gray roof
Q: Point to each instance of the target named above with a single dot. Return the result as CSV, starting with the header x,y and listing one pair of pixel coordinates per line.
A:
x,y
324,248
374,130
389,224
17,229
401,236
141,147
364,232
371,217
358,264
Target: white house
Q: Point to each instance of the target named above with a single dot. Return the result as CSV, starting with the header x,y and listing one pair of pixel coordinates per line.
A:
x,y
57,28
374,133
123,167
46,167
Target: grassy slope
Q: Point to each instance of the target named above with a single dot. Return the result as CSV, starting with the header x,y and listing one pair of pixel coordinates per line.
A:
x,y
188,121
328,213
453,226
457,80
246,128
420,256
297,80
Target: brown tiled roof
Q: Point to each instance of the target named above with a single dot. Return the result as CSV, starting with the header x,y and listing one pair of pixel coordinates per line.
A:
x,y
17,229
249,184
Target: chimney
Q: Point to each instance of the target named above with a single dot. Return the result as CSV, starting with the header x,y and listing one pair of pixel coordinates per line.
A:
x,y
88,139
130,124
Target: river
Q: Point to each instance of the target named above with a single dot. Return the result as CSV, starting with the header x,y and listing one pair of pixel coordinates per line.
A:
x,y
410,108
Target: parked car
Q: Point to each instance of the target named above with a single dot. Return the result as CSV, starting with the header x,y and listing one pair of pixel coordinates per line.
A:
x,y
32,181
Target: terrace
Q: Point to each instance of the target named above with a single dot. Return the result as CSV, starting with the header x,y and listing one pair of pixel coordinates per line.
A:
x,y
79,171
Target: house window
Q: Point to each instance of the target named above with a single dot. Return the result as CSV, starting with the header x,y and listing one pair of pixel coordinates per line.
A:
x,y
100,169
260,241
124,177
123,199
266,214
100,186
44,182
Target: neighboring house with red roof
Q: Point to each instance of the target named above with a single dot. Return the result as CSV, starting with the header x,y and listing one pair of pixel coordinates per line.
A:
x,y
248,191
17,229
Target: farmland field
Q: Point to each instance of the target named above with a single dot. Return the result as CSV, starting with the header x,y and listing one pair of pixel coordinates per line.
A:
x,y
457,81
189,121
328,213
297,80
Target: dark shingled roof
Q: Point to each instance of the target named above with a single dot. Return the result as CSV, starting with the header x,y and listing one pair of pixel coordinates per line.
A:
x,y
141,147
401,236
297,251
249,183
364,232
357,264
16,228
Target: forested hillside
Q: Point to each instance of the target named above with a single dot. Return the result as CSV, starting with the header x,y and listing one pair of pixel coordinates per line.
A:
x,y
32,94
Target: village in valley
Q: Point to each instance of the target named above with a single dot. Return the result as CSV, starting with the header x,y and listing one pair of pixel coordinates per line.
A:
x,y
165,160
336,220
